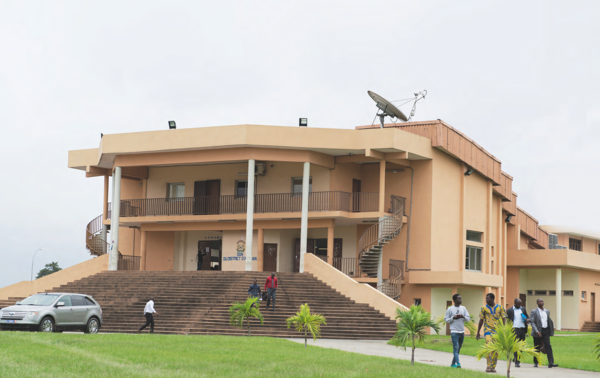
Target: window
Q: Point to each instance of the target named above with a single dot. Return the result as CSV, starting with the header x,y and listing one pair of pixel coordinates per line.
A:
x,y
529,292
175,192
297,185
567,293
474,236
583,295
66,299
552,293
89,302
473,261
241,188
540,292
575,244
599,249
77,300
417,301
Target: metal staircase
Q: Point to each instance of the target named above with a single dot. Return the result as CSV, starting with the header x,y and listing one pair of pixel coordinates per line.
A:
x,y
371,244
93,237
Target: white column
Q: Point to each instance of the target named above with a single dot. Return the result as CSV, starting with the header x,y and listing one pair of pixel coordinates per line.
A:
x,y
382,224
113,259
557,323
304,219
250,214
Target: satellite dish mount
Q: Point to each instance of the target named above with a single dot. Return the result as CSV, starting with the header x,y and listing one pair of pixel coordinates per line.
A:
x,y
387,109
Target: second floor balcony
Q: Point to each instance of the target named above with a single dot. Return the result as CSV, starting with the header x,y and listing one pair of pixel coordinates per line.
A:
x,y
334,201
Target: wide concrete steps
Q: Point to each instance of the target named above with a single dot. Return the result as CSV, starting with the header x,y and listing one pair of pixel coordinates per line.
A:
x,y
591,327
198,303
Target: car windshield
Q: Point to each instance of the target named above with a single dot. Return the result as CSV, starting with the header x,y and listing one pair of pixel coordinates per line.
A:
x,y
39,300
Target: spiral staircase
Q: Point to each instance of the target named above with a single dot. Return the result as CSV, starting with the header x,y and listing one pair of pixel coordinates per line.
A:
x,y
93,237
371,245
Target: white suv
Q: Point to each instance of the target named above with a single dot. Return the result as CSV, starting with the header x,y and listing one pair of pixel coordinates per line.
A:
x,y
53,312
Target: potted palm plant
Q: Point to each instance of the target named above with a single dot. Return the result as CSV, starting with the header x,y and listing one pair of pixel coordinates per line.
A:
x,y
240,312
307,322
505,343
412,328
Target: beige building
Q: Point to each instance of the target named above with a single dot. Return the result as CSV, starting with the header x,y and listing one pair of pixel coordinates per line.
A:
x,y
417,210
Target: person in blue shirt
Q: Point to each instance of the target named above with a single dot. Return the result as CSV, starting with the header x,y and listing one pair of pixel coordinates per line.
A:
x,y
518,316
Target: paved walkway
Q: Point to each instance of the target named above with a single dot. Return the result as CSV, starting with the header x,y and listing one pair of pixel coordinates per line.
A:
x,y
432,357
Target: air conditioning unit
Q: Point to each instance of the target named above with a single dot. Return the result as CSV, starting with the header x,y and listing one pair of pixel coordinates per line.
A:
x,y
260,169
553,242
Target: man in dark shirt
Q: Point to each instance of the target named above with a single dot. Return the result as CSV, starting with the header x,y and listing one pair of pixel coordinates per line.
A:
x,y
254,290
271,288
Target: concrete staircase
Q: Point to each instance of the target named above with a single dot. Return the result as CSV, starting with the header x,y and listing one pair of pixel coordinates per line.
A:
x,y
591,327
198,303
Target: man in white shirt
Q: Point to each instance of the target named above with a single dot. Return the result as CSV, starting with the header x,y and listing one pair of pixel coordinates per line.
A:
x,y
148,311
518,315
542,328
456,316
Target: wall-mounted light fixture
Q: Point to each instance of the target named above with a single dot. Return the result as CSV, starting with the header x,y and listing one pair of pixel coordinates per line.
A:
x,y
469,172
303,122
508,218
172,125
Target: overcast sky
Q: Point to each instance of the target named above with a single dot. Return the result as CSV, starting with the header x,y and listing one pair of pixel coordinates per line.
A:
x,y
520,78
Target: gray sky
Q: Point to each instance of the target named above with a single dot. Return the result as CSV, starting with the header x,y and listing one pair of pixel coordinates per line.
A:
x,y
515,76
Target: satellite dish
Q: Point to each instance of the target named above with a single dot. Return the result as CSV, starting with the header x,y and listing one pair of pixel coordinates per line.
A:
x,y
390,110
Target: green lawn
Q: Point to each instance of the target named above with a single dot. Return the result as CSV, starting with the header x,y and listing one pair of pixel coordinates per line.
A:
x,y
118,355
574,352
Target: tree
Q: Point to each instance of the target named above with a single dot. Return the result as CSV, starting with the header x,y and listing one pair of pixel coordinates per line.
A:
x,y
238,312
48,269
412,326
307,322
597,347
505,343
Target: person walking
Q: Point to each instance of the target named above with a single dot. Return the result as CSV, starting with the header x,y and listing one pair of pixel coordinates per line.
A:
x,y
148,313
456,316
489,316
271,288
518,316
254,290
542,327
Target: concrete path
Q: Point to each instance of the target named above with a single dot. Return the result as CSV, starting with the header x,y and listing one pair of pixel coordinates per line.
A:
x,y
426,356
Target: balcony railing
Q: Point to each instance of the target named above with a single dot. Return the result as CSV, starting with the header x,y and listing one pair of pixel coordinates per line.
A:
x,y
263,203
127,262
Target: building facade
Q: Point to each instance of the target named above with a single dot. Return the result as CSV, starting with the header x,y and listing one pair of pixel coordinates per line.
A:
x,y
417,210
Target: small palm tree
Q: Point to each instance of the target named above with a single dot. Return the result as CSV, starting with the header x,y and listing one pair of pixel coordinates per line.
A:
x,y
597,347
504,342
412,327
305,321
238,312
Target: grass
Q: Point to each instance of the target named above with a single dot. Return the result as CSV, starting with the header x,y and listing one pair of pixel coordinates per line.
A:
x,y
118,355
569,352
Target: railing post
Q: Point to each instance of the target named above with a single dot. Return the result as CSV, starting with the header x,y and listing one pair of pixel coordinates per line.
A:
x,y
250,214
304,218
113,259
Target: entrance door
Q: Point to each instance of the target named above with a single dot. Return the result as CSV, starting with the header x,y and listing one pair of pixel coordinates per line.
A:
x,y
593,306
270,257
356,184
310,248
448,304
213,193
199,198
337,254
523,299
204,247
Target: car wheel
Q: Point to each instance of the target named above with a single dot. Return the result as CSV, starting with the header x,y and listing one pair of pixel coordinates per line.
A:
x,y
93,325
46,325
